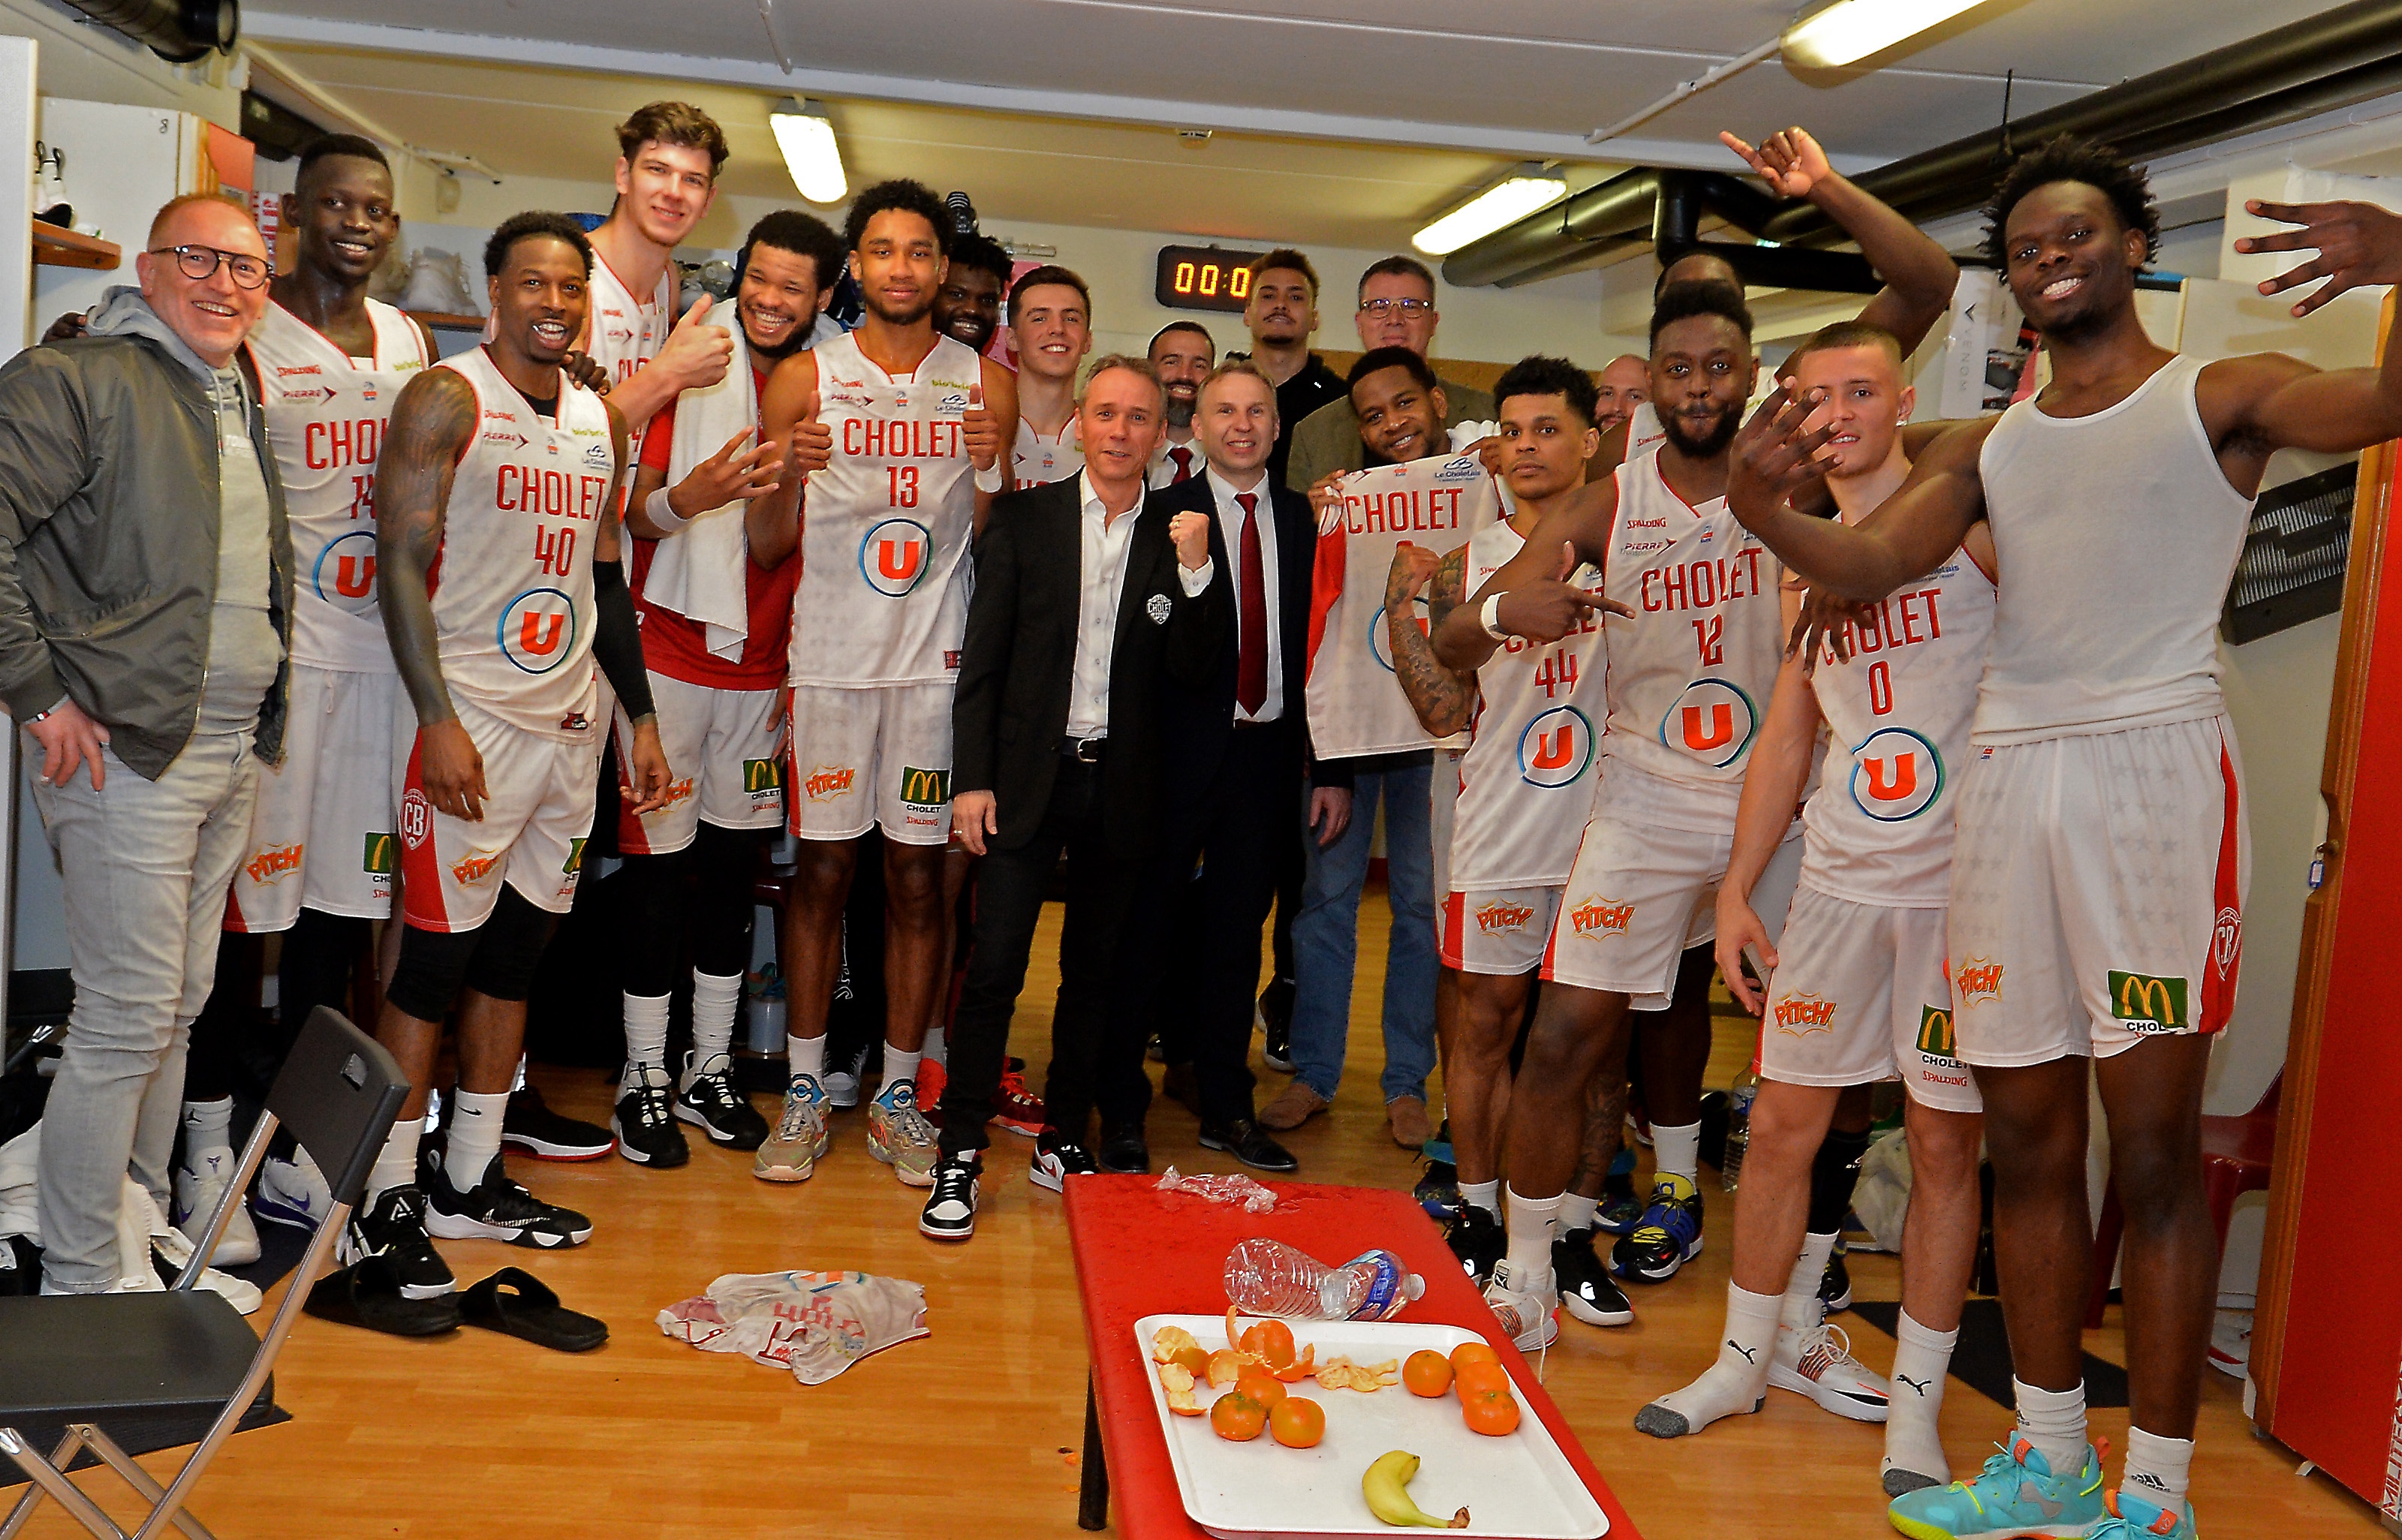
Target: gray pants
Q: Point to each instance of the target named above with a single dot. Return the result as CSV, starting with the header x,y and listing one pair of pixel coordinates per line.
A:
x,y
147,865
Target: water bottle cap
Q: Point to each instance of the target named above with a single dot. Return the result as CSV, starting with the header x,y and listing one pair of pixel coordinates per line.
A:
x,y
1413,1287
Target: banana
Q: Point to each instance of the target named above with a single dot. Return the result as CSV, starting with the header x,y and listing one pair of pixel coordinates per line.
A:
x,y
1387,1488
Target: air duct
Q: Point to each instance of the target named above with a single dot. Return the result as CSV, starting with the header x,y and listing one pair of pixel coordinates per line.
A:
x,y
178,30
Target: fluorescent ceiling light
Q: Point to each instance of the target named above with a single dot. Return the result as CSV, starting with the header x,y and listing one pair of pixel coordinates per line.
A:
x,y
1528,188
810,154
1851,30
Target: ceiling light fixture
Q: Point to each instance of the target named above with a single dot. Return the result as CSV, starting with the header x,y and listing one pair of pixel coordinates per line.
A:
x,y
1519,194
810,154
1849,31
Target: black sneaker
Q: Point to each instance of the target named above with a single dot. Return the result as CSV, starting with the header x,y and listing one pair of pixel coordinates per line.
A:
x,y
1058,1158
498,1209
393,1228
1584,1282
645,1122
1835,1288
1478,1240
1669,1236
1438,1190
531,1126
710,1100
1275,1020
950,1214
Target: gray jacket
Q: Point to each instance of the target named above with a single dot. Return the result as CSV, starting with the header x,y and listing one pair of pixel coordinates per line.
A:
x,y
108,534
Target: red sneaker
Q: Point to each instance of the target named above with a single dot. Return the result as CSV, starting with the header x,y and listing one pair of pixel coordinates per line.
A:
x,y
1016,1108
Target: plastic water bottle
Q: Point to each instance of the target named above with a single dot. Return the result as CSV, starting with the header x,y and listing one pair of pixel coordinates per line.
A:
x,y
1738,1134
1270,1278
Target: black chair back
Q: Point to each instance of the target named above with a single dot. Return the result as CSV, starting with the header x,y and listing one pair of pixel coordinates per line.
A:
x,y
338,1093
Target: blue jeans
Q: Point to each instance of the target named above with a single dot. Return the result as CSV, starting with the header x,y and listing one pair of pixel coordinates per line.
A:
x,y
1326,939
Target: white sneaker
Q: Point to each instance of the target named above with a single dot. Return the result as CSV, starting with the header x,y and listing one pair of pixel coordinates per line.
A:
x,y
1531,1320
1818,1364
198,1187
842,1085
168,1244
292,1193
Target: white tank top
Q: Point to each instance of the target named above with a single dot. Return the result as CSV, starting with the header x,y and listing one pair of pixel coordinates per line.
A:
x,y
885,526
1878,827
2121,535
1525,784
325,418
628,331
1039,457
1689,674
512,590
1643,430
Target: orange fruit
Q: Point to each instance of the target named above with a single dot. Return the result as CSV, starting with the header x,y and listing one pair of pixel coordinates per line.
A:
x,y
1271,1341
1265,1388
1477,1375
1491,1412
1238,1417
1470,1353
1225,1367
1427,1372
1297,1423
1195,1361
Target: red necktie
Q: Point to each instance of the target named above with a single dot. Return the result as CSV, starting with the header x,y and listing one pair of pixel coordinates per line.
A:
x,y
1251,660
1183,458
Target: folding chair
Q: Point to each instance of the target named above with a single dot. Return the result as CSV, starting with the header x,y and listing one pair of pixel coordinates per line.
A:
x,y
83,1362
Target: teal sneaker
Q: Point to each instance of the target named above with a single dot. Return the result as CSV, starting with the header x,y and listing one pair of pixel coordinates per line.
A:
x,y
2015,1495
2133,1517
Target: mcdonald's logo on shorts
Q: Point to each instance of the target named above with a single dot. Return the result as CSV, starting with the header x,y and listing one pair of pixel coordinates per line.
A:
x,y
575,862
379,858
925,788
762,776
2153,1004
1936,1038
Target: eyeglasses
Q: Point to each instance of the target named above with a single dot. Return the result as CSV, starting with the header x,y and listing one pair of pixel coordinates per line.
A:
x,y
1380,308
197,263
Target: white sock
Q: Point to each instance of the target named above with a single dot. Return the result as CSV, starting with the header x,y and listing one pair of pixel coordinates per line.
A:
x,y
938,1047
207,1126
2053,1420
1732,1386
2159,1468
1534,1222
475,1136
807,1055
646,1033
1913,1441
897,1067
1677,1152
1484,1195
396,1165
1803,1309
1576,1211
715,999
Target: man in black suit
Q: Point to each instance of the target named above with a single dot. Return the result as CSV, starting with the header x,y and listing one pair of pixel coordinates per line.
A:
x,y
1235,747
1088,602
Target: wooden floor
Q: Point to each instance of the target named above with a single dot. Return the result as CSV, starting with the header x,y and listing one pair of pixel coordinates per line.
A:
x,y
976,1430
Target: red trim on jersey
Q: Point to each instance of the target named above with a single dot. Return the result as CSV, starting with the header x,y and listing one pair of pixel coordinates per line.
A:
x,y
1325,587
1454,931
420,863
233,920
1979,565
2226,950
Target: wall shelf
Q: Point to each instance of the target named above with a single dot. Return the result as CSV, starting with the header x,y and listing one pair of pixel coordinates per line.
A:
x,y
56,246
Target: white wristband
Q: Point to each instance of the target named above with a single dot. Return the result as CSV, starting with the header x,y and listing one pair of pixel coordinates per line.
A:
x,y
656,509
989,479
1490,617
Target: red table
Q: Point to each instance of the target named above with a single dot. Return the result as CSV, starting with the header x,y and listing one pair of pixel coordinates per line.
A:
x,y
1143,1252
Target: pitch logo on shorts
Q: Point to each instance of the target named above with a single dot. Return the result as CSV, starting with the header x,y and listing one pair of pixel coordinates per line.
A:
x,y
893,555
1936,1040
1555,748
1798,1015
1979,979
1898,775
1501,915
829,781
2147,1003
924,788
1712,719
1598,919
537,630
273,864
679,789
344,572
1380,646
474,867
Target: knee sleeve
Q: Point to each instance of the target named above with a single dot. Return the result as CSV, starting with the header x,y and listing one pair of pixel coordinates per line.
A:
x,y
432,970
724,863
1833,1175
508,948
657,903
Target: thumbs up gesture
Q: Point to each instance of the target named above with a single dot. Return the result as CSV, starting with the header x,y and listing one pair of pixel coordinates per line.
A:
x,y
981,432
697,353
812,447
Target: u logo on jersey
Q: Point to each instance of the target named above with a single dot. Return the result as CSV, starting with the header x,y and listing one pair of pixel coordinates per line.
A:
x,y
1380,646
1713,720
894,555
1555,748
537,630
344,576
1899,774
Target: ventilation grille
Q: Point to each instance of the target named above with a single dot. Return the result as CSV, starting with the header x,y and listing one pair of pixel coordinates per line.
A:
x,y
2294,557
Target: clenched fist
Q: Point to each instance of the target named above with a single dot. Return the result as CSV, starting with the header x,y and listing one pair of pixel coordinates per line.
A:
x,y
1190,531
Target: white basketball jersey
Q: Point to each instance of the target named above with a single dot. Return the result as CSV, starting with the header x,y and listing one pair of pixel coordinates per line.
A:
x,y
1039,457
1879,828
1643,430
1689,674
1526,782
2121,535
885,526
513,604
628,331
325,418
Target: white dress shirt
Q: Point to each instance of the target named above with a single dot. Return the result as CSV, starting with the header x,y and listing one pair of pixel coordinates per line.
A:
x,y
1105,543
1230,530
1162,471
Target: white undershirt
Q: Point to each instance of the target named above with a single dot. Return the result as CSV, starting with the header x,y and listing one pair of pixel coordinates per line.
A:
x,y
1106,542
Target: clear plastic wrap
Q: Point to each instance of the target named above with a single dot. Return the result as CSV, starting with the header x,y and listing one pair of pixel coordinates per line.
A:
x,y
1238,1189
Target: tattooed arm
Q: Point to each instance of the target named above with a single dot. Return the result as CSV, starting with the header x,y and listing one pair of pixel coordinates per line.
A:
x,y
1443,698
433,423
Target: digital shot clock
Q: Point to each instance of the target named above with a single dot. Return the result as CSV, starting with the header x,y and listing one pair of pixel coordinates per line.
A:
x,y
1204,277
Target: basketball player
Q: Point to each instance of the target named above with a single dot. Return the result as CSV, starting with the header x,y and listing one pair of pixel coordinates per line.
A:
x,y
1050,329
920,427
967,308
668,155
499,502
716,633
1859,990
2119,499
1183,352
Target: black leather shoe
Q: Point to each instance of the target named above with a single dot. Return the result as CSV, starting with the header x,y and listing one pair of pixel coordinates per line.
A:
x,y
1181,1084
1245,1142
1125,1151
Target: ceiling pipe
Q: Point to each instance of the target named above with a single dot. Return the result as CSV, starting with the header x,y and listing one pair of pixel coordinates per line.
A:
x,y
1724,70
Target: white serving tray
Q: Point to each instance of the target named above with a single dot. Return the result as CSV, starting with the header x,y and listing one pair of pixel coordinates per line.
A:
x,y
1520,1486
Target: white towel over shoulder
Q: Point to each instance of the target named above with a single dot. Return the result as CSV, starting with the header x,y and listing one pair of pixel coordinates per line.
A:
x,y
702,572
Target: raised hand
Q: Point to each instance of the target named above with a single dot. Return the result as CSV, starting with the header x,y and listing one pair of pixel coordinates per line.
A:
x,y
1190,533
697,353
2357,244
981,430
812,447
1414,567
1775,456
1546,611
1789,161
745,467
586,371
1325,501
1824,626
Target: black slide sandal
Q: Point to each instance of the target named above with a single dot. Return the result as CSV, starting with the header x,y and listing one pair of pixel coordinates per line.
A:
x,y
518,1303
367,1294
